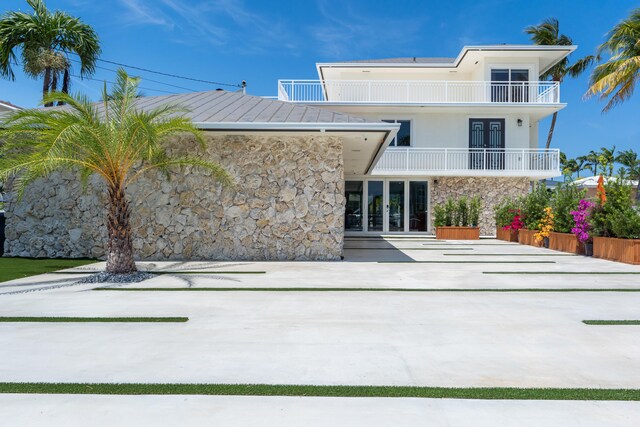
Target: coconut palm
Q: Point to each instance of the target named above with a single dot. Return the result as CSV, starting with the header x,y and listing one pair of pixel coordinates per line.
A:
x,y
629,159
615,79
580,164
570,167
548,34
44,40
117,142
608,159
592,161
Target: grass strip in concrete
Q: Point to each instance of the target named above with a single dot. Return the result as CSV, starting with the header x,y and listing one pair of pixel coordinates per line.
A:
x,y
316,289
607,273
611,322
30,319
483,393
410,249
508,254
17,268
467,262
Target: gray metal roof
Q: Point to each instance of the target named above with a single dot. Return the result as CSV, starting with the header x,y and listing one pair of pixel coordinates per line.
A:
x,y
413,60
220,106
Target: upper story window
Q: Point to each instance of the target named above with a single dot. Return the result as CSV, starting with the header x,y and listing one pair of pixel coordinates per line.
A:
x,y
403,138
509,85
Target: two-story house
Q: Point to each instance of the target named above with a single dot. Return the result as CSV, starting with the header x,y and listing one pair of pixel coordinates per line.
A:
x,y
468,126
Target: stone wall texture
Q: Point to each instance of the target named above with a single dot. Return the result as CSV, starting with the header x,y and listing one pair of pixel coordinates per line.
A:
x,y
490,189
287,203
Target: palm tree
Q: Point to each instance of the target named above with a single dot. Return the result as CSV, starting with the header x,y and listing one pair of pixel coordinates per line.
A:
x,y
580,164
117,142
629,159
608,159
548,34
592,161
616,78
44,40
570,167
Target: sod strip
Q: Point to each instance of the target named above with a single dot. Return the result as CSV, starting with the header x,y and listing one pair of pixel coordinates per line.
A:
x,y
610,273
13,319
411,249
611,322
466,262
488,393
310,289
505,255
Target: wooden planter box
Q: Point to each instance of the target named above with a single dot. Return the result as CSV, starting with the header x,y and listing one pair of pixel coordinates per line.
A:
x,y
525,237
458,233
506,235
614,249
565,242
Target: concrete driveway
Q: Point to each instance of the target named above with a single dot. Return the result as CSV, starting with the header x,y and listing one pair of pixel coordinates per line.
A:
x,y
422,329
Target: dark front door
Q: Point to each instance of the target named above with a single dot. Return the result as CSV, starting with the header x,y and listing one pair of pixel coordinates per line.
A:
x,y
486,143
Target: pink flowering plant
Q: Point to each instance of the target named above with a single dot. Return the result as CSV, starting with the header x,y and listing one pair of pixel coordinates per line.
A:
x,y
581,217
516,222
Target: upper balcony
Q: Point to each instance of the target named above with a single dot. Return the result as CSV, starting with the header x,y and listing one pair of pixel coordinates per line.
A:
x,y
419,92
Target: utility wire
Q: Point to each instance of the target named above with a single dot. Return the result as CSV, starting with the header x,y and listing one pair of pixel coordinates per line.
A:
x,y
170,75
110,82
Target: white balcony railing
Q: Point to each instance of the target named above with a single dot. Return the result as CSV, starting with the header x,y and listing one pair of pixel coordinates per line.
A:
x,y
469,162
418,92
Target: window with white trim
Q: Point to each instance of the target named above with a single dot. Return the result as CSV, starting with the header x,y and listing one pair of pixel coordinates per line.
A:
x,y
403,138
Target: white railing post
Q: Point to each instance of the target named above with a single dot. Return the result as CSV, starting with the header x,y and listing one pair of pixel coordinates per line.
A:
x,y
446,159
446,91
407,154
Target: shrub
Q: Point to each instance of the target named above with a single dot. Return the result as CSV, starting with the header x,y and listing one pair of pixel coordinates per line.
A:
x,y
533,205
619,201
505,211
545,226
626,224
582,224
566,199
459,213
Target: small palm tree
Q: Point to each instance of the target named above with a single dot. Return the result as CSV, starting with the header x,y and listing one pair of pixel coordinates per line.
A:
x,y
616,79
119,143
629,159
548,34
570,167
592,161
44,39
580,164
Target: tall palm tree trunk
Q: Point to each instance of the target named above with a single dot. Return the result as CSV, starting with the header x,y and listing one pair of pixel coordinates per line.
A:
x,y
553,126
120,256
65,83
46,84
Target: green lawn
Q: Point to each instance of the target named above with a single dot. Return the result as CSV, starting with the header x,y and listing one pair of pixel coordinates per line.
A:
x,y
16,268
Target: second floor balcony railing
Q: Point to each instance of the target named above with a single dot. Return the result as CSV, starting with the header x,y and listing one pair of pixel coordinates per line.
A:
x,y
530,162
418,92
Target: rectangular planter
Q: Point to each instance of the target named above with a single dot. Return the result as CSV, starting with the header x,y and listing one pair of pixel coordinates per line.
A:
x,y
506,235
458,233
525,237
614,249
565,242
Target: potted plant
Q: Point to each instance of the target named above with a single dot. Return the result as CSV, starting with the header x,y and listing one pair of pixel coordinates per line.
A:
x,y
506,225
533,210
565,199
545,227
458,219
582,226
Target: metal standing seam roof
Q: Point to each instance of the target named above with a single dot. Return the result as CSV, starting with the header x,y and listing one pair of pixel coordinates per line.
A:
x,y
220,106
410,60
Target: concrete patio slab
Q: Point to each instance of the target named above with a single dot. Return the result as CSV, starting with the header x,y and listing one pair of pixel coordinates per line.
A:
x,y
68,411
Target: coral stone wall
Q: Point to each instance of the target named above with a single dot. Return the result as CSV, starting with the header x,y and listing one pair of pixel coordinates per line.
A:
x,y
491,190
287,203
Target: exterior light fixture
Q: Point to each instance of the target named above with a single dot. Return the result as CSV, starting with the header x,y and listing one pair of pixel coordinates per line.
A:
x,y
520,123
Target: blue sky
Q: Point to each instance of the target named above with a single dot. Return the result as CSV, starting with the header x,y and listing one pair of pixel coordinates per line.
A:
x,y
261,41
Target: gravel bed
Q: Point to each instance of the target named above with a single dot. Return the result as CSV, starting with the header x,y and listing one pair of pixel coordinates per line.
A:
x,y
104,277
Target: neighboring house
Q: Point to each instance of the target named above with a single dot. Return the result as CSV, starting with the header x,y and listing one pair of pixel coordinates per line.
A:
x,y
468,126
590,184
7,106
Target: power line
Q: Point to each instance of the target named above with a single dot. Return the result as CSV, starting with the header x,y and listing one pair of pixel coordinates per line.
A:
x,y
170,75
110,82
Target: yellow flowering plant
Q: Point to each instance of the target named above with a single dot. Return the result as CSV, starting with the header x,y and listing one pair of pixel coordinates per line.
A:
x,y
546,225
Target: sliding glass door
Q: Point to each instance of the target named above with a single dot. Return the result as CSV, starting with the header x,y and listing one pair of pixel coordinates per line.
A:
x,y
395,206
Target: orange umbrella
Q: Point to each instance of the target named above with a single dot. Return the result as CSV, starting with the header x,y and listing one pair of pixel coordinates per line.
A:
x,y
600,191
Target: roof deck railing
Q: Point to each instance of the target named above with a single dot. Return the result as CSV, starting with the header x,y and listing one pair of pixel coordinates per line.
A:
x,y
418,92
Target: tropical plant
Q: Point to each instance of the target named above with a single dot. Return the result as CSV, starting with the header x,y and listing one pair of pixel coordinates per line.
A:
x,y
570,167
608,159
44,40
545,226
615,79
458,213
504,212
475,206
516,222
629,159
547,33
618,199
566,198
592,161
533,206
626,224
117,142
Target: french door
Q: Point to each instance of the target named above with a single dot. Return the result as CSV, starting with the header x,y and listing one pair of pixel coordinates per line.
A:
x,y
486,144
393,205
